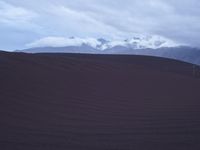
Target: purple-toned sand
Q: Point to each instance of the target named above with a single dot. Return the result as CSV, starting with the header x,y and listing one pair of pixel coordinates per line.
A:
x,y
98,102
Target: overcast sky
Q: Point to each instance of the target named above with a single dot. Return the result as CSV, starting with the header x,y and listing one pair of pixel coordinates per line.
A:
x,y
25,21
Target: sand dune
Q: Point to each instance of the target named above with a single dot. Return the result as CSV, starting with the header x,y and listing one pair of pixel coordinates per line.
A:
x,y
98,102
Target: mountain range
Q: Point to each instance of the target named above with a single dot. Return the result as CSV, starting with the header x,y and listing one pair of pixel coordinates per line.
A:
x,y
143,45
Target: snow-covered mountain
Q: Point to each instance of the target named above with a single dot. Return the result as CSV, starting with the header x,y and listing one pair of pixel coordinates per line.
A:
x,y
142,45
140,42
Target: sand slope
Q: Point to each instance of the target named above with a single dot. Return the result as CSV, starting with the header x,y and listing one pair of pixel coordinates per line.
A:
x,y
98,102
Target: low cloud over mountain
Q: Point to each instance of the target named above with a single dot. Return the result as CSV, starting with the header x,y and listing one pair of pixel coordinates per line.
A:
x,y
140,45
139,42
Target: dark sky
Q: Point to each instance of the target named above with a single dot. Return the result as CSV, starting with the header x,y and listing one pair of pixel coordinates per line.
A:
x,y
23,22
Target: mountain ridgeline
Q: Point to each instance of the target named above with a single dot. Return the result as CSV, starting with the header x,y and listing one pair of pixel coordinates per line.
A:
x,y
150,46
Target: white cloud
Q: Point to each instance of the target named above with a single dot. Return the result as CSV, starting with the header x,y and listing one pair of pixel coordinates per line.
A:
x,y
178,20
136,42
78,23
62,42
11,14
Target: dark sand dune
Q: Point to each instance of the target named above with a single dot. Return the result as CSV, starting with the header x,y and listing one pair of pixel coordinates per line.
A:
x,y
98,102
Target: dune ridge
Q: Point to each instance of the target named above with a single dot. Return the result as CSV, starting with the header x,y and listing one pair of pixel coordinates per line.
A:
x,y
98,102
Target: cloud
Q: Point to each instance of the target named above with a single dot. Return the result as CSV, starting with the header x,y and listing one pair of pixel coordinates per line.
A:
x,y
17,26
115,19
62,42
10,14
78,23
101,44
